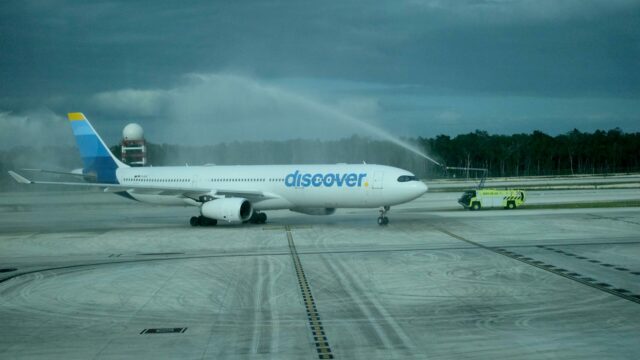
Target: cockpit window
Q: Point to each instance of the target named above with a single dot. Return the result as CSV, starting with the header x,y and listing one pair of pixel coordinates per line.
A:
x,y
405,178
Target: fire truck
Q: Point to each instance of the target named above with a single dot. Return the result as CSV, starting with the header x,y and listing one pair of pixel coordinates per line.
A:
x,y
492,198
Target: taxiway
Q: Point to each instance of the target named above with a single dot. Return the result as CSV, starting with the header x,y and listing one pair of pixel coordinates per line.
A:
x,y
90,275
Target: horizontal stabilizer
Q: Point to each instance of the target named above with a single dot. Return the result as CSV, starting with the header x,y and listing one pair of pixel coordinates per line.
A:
x,y
19,178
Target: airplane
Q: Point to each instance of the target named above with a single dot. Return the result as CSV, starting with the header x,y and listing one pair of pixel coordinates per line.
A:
x,y
240,193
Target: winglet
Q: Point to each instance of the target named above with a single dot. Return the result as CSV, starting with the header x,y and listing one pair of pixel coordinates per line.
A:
x,y
19,178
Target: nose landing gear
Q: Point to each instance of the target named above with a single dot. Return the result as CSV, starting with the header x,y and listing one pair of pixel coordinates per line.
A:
x,y
383,219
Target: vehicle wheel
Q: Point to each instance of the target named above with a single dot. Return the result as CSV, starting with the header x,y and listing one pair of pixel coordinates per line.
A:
x,y
476,206
194,221
262,218
511,205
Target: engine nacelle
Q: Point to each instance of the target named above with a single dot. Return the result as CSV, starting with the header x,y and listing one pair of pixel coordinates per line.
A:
x,y
315,211
227,209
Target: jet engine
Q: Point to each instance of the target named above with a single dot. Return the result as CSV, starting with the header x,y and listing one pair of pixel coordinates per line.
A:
x,y
315,211
228,209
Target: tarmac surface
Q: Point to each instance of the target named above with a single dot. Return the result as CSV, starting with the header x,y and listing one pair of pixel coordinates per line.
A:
x,y
90,275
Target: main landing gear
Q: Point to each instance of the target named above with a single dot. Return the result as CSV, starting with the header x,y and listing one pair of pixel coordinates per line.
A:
x,y
202,221
258,218
383,219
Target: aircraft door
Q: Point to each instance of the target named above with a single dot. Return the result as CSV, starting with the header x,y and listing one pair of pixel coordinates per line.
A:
x,y
378,178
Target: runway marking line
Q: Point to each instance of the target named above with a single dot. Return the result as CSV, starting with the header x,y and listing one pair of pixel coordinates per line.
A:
x,y
547,247
320,341
164,331
550,268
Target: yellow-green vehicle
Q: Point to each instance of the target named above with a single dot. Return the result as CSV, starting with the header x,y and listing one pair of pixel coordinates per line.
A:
x,y
488,198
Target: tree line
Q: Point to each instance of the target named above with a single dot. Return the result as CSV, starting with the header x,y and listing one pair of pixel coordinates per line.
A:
x,y
534,154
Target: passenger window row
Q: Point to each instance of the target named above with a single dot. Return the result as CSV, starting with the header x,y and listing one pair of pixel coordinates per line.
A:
x,y
212,180
156,180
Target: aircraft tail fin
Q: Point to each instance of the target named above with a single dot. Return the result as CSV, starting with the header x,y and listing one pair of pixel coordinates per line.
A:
x,y
97,159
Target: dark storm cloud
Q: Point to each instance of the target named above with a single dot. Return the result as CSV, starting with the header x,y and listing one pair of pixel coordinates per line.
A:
x,y
530,47
401,63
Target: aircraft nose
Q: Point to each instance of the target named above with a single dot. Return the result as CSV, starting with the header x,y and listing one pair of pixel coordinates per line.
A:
x,y
422,188
418,188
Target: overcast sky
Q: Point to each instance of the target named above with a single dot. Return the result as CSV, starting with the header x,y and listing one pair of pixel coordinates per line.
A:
x,y
205,72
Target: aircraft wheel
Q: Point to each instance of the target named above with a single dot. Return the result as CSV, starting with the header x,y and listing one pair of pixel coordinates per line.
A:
x,y
262,218
194,221
383,220
204,221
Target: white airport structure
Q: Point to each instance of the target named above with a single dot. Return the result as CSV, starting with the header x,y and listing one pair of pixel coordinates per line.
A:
x,y
133,146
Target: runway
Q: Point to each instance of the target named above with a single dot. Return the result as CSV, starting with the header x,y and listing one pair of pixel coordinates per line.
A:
x,y
97,276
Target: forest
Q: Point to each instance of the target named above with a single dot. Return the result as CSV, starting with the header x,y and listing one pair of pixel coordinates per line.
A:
x,y
534,154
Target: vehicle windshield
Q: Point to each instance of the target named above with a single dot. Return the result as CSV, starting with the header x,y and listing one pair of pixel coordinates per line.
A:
x,y
467,195
405,178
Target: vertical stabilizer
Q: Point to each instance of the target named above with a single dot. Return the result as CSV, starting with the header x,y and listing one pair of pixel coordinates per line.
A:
x,y
96,156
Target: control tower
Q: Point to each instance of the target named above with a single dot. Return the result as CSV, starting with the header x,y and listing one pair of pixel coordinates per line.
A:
x,y
134,149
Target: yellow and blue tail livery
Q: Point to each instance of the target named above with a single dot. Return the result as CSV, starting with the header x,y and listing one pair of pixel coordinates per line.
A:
x,y
96,157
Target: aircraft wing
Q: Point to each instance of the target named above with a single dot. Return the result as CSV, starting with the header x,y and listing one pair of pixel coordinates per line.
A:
x,y
247,194
187,192
85,176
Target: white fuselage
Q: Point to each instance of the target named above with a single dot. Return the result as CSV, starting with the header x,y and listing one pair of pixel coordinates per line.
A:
x,y
285,186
